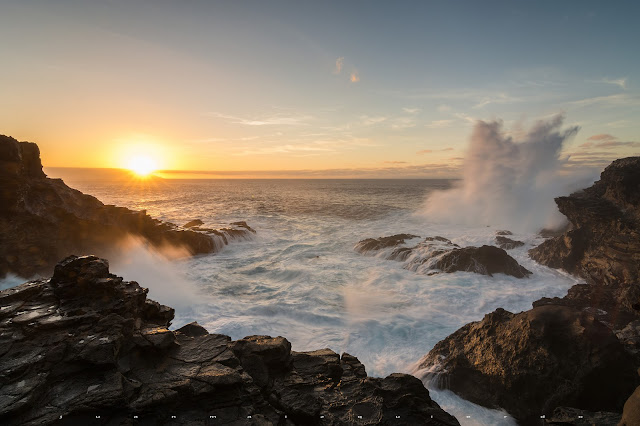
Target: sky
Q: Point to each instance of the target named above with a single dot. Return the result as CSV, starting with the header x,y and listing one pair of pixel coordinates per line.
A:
x,y
314,89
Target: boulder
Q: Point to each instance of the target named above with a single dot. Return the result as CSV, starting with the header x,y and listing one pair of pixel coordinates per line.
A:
x,y
438,254
532,362
508,243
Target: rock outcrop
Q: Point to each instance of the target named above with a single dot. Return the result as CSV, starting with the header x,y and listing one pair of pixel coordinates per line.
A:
x,y
437,254
532,362
42,220
579,352
604,245
85,343
508,243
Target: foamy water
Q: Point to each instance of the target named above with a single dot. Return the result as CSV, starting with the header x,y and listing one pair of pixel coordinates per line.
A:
x,y
300,277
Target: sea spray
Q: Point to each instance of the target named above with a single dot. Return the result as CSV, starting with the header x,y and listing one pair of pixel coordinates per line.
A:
x,y
509,182
155,269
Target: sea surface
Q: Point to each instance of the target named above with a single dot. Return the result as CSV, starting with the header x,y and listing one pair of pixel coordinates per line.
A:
x,y
299,277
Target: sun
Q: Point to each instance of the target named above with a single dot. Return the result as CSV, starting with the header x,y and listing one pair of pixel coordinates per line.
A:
x,y
142,165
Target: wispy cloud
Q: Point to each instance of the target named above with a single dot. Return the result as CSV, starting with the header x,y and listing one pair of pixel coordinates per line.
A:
x,y
440,124
444,108
355,76
620,99
620,82
402,123
339,65
368,121
411,110
272,120
602,137
429,151
396,162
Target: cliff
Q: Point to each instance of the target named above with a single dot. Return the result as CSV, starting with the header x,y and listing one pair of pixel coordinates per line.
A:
x,y
85,343
570,356
42,220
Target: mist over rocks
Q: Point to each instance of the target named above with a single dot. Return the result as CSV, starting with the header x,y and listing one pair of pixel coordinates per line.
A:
x,y
437,254
43,220
580,352
86,343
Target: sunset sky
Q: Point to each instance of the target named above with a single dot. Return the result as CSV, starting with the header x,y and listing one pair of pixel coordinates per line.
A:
x,y
313,89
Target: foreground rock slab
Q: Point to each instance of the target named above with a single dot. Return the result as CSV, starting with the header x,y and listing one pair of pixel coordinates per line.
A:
x,y
437,254
42,220
85,343
532,362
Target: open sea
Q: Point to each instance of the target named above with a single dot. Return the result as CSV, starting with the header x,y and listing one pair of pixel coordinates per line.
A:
x,y
299,277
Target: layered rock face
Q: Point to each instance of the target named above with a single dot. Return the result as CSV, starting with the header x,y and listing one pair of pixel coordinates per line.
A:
x,y
604,245
571,354
438,254
42,220
85,343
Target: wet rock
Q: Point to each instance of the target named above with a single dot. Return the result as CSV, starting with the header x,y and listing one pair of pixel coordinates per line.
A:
x,y
572,416
532,362
191,224
438,254
504,232
603,246
86,343
508,243
372,244
42,220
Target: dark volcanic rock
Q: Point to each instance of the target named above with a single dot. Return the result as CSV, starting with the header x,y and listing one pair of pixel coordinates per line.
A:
x,y
85,343
438,254
532,362
42,220
373,244
508,243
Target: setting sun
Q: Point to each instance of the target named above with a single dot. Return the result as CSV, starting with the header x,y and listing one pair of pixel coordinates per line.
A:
x,y
141,165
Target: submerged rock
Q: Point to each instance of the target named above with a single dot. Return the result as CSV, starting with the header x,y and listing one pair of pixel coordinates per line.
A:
x,y
438,254
42,220
85,343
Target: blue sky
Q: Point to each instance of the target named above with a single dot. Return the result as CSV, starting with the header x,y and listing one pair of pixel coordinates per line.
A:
x,y
359,87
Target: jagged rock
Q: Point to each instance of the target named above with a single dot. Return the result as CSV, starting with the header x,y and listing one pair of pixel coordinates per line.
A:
x,y
85,343
604,245
42,220
438,254
191,224
532,362
564,416
508,243
503,232
372,244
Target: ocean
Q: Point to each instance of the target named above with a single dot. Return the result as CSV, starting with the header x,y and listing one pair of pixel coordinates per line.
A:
x,y
299,277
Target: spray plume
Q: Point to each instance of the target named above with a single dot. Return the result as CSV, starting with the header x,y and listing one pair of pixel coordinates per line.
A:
x,y
509,183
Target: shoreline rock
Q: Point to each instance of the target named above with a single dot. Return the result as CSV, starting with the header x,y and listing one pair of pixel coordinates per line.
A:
x,y
575,354
438,254
42,220
85,343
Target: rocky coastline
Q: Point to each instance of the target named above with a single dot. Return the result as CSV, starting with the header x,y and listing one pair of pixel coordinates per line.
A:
x,y
86,345
576,354
42,220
